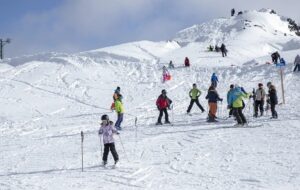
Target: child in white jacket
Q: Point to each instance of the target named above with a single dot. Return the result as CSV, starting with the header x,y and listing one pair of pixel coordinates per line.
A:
x,y
107,129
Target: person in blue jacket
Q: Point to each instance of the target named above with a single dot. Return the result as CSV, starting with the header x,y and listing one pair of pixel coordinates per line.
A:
x,y
214,80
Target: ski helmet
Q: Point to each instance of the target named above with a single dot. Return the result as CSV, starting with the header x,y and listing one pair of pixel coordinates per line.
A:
x,y
164,91
231,86
118,88
269,84
260,84
194,85
104,117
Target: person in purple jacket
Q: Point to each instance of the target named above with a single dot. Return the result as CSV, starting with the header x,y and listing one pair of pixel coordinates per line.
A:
x,y
107,129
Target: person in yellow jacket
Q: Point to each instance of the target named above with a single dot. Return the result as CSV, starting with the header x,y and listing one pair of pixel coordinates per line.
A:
x,y
194,95
236,100
120,112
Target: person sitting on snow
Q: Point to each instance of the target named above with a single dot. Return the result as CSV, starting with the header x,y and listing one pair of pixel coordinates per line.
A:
x,y
186,62
171,65
166,75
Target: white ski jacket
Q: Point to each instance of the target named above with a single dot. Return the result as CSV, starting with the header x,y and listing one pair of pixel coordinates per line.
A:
x,y
107,131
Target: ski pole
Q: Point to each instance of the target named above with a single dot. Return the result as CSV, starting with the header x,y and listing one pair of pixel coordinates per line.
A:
x,y
82,137
123,148
135,124
173,113
100,136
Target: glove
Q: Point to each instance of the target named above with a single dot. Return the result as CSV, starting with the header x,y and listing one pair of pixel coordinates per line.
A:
x,y
169,108
190,96
158,107
229,107
221,99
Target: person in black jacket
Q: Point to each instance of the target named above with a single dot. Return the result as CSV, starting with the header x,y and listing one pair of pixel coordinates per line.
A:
x,y
223,50
232,12
212,97
273,101
275,57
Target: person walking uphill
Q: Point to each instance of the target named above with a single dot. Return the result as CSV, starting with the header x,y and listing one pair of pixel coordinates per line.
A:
x,y
297,63
212,97
236,100
223,50
120,112
214,80
260,95
107,130
163,103
194,93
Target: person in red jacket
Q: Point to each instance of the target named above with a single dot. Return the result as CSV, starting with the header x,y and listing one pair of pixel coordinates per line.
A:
x,y
186,62
163,103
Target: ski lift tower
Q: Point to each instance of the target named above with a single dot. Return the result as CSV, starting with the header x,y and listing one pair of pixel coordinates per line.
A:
x,y
2,43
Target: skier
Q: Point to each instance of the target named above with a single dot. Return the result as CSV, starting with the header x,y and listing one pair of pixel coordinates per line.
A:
x,y
259,100
232,12
297,63
212,97
273,100
120,112
229,106
107,130
194,93
268,96
275,56
236,100
223,50
163,103
186,62
171,65
116,94
214,80
166,75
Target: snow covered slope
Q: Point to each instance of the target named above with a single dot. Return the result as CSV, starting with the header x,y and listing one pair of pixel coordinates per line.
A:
x,y
47,99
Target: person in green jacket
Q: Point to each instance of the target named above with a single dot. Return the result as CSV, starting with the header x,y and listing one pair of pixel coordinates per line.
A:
x,y
194,95
236,100
120,112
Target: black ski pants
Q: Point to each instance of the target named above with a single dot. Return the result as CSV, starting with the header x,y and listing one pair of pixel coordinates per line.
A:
x,y
238,114
224,53
274,112
112,148
259,104
161,112
297,66
197,103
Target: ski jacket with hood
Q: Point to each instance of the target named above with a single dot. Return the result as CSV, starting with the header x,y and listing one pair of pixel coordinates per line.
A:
x,y
213,96
214,78
273,96
163,102
260,94
107,131
119,106
235,98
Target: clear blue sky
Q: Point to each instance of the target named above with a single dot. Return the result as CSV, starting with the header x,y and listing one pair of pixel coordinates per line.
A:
x,y
78,25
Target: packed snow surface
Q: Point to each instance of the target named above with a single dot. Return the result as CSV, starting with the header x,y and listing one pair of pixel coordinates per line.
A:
x,y
48,99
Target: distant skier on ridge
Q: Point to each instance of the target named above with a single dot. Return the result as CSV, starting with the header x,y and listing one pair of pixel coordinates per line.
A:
x,y
186,62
